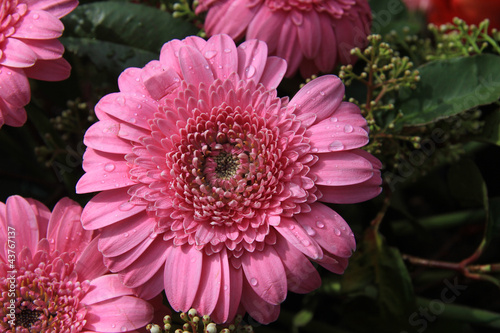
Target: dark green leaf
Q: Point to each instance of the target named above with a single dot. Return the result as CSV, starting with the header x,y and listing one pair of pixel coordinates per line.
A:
x,y
107,55
493,226
449,87
491,129
467,184
138,26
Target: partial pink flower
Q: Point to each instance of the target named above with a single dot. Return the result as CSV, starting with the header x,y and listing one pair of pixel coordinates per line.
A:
x,y
29,49
312,36
210,182
422,5
53,277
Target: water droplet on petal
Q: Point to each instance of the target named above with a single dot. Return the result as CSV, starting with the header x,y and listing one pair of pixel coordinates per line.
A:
x,y
132,120
253,281
120,100
113,325
348,128
109,167
139,106
250,70
291,227
124,329
226,287
210,54
333,119
336,146
36,16
227,50
343,228
126,206
320,224
322,93
207,67
310,231
306,242
314,150
125,235
336,231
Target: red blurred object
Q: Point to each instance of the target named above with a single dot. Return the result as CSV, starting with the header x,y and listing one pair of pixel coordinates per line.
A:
x,y
471,11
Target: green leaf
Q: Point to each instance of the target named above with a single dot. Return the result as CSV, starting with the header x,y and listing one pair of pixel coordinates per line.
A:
x,y
491,129
390,16
302,318
467,185
107,55
449,87
117,35
493,225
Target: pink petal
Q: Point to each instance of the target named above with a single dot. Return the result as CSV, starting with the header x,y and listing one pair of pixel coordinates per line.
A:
x,y
121,237
21,217
341,168
58,8
301,275
3,232
129,108
14,88
182,276
266,26
349,113
329,135
353,193
299,238
105,287
220,52
107,208
49,49
288,45
273,72
119,314
210,284
17,54
153,287
256,307
266,275
49,70
333,264
11,115
38,24
129,81
195,68
309,34
42,214
159,81
119,263
328,229
103,136
230,17
327,56
230,291
140,271
321,96
252,58
66,229
89,264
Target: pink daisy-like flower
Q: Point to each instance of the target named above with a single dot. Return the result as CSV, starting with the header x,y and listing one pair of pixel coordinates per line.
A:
x,y
210,182
29,49
311,35
53,277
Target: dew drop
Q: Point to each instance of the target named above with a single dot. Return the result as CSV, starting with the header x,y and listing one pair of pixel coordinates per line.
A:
x,y
310,231
109,167
36,16
227,50
306,242
113,325
120,100
343,228
51,241
125,235
220,66
322,93
320,224
134,231
336,146
226,287
207,67
124,329
132,120
253,281
336,231
291,227
176,53
210,54
348,129
102,181
126,206
139,106
333,119
138,79
250,70
314,150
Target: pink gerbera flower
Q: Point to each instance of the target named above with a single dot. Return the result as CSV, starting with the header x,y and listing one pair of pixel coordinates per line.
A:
x,y
311,35
29,49
210,182
53,277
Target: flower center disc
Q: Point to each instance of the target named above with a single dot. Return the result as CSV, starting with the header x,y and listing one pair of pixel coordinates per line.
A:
x,y
28,317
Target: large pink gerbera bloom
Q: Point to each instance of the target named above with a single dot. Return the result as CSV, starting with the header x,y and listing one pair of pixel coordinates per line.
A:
x,y
53,277
29,49
311,35
210,182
